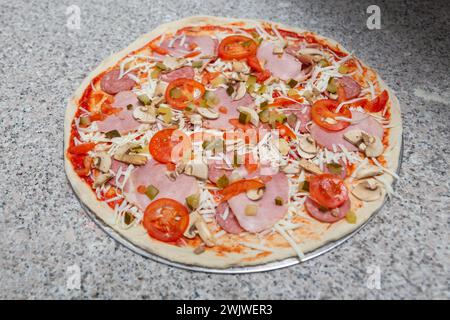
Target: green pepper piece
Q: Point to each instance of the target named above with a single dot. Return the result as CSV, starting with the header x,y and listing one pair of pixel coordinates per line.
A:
x,y
144,99
334,168
193,201
278,201
303,186
332,85
223,182
151,192
292,83
350,216
244,117
112,134
197,64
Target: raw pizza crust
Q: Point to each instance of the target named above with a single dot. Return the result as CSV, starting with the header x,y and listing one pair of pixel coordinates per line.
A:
x,y
138,235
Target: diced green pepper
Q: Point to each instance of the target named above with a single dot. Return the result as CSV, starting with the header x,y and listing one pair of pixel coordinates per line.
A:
x,y
193,201
262,89
324,63
130,107
151,192
251,80
144,99
161,66
334,168
112,134
292,83
155,73
278,201
223,182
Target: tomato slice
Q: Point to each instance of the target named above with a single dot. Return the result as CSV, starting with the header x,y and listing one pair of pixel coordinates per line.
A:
x,y
169,145
166,219
253,63
240,186
325,109
82,148
328,190
182,91
237,47
378,104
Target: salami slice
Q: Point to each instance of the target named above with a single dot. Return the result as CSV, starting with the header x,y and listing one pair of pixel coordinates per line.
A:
x,y
352,89
230,224
184,72
110,82
326,215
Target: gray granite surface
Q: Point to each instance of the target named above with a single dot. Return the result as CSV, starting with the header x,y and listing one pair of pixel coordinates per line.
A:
x,y
44,233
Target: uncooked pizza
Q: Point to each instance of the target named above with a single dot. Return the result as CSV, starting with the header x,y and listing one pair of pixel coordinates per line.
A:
x,y
223,142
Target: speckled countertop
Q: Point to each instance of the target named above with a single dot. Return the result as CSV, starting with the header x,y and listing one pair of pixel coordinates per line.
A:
x,y
45,236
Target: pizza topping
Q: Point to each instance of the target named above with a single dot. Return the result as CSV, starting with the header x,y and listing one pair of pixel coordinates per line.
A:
x,y
226,219
328,190
369,144
112,83
363,122
283,66
236,47
126,154
368,172
101,179
198,169
193,201
83,148
145,114
208,113
151,192
348,88
183,72
378,104
308,145
169,145
102,161
255,194
251,210
182,92
324,114
268,212
197,225
309,166
367,190
166,219
154,173
324,214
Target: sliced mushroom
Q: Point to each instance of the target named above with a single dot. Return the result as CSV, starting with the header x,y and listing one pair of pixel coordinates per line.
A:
x,y
310,51
240,92
196,119
307,144
124,154
101,179
208,113
368,172
309,166
255,194
353,136
197,168
367,190
102,162
305,155
254,118
145,114
375,149
173,63
198,225
283,146
291,168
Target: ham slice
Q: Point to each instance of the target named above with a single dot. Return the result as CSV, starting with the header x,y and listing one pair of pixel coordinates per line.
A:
x,y
352,89
303,115
183,72
124,120
327,138
110,82
284,66
154,173
222,123
115,166
230,224
268,212
326,215
205,44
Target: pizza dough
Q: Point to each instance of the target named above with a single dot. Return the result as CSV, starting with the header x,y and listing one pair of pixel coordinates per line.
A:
x,y
232,248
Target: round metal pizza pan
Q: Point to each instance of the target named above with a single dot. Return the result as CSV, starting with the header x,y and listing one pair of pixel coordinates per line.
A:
x,y
233,270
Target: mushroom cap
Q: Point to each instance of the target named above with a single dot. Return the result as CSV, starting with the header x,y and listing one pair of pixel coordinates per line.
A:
x,y
208,113
367,190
